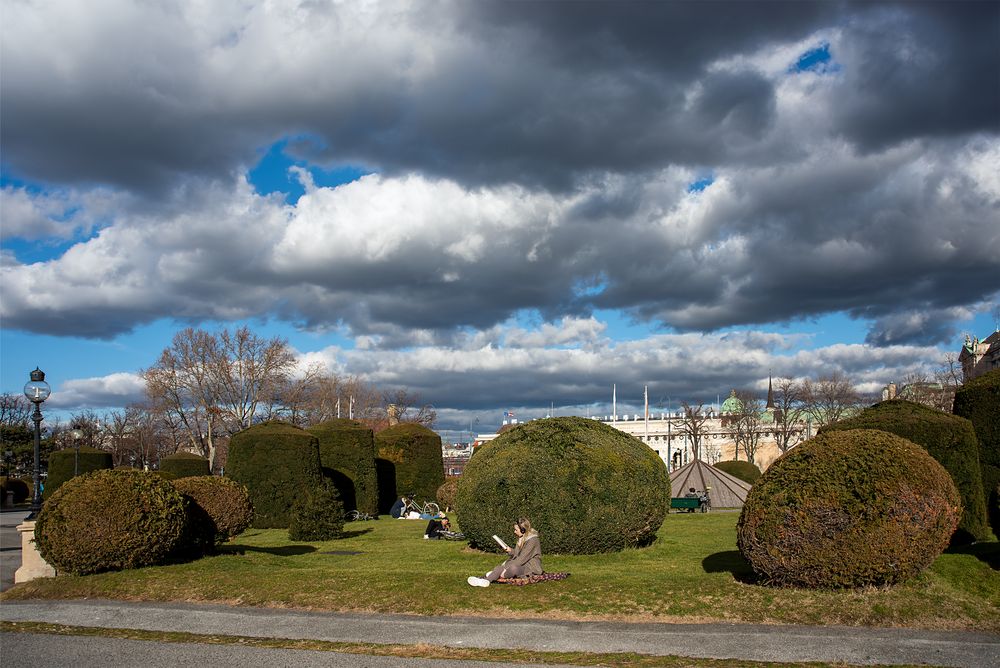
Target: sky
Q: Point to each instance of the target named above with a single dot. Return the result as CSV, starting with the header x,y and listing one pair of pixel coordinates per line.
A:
x,y
500,206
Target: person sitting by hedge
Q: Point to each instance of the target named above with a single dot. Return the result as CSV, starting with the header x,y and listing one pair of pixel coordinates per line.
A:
x,y
399,507
441,529
525,557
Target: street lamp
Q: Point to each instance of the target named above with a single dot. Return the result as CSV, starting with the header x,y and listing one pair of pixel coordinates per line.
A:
x,y
37,391
76,435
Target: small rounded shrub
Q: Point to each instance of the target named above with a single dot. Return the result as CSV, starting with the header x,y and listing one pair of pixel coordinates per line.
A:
x,y
745,471
63,464
978,401
184,464
276,462
447,493
949,439
848,509
110,520
317,515
347,454
415,451
218,510
586,487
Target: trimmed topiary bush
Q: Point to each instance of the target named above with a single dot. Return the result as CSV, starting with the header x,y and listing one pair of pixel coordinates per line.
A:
x,y
317,515
276,462
745,471
218,510
110,520
63,464
447,493
848,509
415,451
978,401
347,454
949,439
184,464
586,487
21,489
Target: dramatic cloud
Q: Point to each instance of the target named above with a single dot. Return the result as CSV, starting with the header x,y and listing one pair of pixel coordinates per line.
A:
x,y
111,391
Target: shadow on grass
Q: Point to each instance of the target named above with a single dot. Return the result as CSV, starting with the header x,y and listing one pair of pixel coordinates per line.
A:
x,y
355,534
732,562
283,551
988,553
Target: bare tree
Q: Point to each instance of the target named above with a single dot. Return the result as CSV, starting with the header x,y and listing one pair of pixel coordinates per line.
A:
x,y
788,413
15,410
246,369
408,408
693,419
829,398
746,424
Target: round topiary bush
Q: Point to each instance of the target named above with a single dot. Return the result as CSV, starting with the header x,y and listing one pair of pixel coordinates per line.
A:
x,y
317,515
347,454
848,509
64,464
110,520
978,401
218,510
21,489
447,493
184,464
586,487
949,439
276,462
745,471
415,452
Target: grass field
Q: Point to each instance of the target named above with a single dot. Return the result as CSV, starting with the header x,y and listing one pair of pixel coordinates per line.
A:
x,y
692,573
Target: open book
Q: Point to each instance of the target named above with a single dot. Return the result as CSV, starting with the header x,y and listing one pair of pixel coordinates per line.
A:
x,y
500,542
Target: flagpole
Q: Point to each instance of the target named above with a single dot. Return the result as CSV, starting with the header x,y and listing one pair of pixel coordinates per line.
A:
x,y
645,393
614,402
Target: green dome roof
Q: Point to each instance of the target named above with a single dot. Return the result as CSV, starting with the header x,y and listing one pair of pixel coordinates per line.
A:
x,y
732,404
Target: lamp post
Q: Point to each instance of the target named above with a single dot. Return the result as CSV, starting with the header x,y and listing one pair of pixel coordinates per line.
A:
x,y
37,391
76,435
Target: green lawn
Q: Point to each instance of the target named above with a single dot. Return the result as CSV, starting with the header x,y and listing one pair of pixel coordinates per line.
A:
x,y
692,573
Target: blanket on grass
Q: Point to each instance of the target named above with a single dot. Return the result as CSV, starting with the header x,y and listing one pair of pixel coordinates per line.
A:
x,y
532,579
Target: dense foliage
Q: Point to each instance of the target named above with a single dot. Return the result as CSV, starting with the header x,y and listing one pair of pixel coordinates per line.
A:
x,y
979,402
63,465
184,464
110,520
415,452
585,486
347,454
848,509
745,471
218,509
276,462
949,439
317,515
447,493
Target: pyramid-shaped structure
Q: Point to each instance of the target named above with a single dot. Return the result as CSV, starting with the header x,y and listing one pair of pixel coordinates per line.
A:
x,y
727,491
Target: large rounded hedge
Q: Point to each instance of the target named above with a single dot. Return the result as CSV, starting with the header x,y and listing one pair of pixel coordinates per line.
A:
x,y
110,520
745,471
276,462
347,454
586,487
415,452
184,464
978,401
218,510
949,439
446,494
64,463
848,509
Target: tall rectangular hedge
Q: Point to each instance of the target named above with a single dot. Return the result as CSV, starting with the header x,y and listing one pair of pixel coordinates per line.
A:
x,y
978,401
415,451
278,463
347,447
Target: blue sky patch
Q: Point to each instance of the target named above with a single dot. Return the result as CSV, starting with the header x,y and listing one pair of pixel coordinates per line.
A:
x,y
271,175
817,60
700,184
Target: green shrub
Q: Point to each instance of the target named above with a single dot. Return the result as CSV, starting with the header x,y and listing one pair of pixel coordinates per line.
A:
x,y
949,439
585,486
317,514
110,520
22,490
184,464
447,493
415,451
979,402
276,462
218,510
745,471
347,454
63,464
848,509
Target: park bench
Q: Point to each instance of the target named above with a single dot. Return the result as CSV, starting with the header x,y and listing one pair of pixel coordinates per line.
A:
x,y
685,503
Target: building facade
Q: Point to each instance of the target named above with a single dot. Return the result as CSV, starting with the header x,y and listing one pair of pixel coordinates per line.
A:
x,y
978,357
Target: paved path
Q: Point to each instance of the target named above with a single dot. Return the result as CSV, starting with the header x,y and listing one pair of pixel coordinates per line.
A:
x,y
10,545
861,646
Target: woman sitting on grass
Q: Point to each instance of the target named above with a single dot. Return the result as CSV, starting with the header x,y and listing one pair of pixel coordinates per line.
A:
x,y
525,557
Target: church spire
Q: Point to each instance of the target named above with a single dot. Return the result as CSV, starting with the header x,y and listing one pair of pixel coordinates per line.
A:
x,y
770,394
